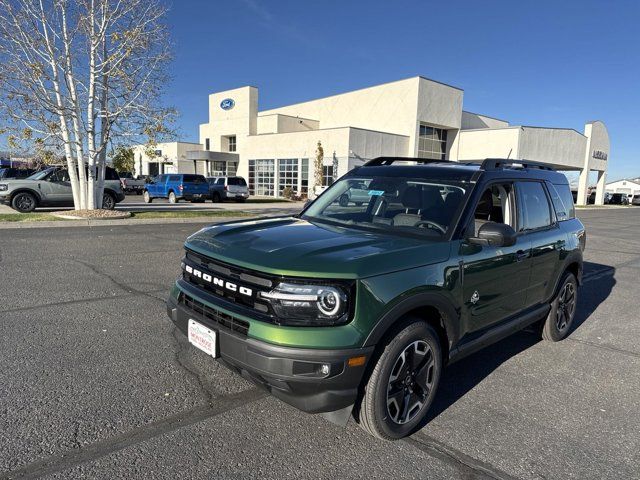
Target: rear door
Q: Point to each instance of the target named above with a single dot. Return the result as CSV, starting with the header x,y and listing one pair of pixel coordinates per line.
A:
x,y
494,279
538,224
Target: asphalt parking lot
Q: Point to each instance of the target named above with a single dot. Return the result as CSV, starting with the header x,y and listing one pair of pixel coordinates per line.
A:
x,y
95,382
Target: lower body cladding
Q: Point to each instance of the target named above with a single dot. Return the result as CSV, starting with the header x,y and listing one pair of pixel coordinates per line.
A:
x,y
314,381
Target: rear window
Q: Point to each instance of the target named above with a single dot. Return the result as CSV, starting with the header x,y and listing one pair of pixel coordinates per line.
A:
x,y
111,174
237,181
562,199
194,179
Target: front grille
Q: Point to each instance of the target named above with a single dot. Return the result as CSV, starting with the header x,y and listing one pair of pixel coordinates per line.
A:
x,y
216,316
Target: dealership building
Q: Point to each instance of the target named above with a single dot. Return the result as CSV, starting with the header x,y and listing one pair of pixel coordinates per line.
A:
x,y
416,117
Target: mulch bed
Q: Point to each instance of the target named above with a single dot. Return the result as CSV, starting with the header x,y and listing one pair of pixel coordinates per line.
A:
x,y
92,214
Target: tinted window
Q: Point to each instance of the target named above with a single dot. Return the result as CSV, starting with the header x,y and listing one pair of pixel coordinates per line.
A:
x,y
111,174
161,179
562,200
237,181
174,178
193,179
220,181
61,175
534,206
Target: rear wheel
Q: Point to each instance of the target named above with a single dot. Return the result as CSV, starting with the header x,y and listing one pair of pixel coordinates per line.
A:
x,y
172,198
215,198
563,309
402,384
146,197
24,202
108,201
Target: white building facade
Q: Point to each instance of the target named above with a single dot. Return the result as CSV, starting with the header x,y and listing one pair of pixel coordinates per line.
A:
x,y
416,117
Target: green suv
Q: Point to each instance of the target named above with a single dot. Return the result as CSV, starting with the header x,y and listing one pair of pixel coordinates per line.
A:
x,y
354,308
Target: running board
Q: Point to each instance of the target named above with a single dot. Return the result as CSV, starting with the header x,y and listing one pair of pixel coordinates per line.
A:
x,y
498,333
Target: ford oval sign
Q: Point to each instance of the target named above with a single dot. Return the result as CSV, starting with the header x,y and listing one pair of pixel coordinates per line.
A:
x,y
227,104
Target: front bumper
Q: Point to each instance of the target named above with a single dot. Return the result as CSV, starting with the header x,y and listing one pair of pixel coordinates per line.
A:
x,y
294,375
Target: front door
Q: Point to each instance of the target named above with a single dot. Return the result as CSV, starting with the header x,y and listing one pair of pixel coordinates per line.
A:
x,y
494,279
57,187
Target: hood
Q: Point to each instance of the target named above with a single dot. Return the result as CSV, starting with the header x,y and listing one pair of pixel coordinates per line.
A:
x,y
295,247
18,182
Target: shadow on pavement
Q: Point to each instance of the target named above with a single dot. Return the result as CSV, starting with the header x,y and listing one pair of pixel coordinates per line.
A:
x,y
462,376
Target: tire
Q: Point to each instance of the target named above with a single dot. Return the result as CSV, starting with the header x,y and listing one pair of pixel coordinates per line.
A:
x,y
172,198
215,198
344,200
197,200
146,197
563,309
24,202
241,200
108,202
387,416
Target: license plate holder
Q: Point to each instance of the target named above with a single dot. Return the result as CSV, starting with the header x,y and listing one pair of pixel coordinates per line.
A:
x,y
203,338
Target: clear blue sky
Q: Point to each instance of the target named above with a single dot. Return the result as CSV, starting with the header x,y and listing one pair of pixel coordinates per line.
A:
x,y
545,63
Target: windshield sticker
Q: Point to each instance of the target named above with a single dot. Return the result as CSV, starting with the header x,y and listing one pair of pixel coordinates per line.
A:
x,y
376,193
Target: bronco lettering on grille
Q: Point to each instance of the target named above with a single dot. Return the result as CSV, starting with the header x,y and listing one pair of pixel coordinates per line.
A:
x,y
219,282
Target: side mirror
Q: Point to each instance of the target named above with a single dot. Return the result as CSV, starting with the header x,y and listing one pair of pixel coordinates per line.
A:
x,y
495,235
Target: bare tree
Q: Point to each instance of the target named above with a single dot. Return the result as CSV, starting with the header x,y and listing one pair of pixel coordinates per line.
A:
x,y
81,74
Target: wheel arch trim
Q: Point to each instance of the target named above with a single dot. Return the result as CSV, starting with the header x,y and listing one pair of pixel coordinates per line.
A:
x,y
448,315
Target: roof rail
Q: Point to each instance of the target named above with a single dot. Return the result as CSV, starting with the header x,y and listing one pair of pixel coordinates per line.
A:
x,y
496,163
390,160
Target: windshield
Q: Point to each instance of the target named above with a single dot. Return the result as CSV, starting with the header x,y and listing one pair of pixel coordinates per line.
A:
x,y
41,174
393,204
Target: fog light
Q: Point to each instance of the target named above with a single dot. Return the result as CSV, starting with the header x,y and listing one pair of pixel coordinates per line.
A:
x,y
324,369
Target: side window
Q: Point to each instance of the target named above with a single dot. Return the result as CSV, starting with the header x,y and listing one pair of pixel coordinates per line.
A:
x,y
220,181
562,200
174,178
161,179
534,206
61,175
497,204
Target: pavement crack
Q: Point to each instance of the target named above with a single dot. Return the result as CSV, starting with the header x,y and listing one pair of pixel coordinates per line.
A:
x,y
94,451
181,360
602,346
468,467
120,284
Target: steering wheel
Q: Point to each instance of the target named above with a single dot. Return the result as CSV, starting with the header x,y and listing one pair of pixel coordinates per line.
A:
x,y
431,225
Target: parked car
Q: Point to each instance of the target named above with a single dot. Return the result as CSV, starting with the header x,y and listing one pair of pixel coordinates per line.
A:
x,y
132,184
617,199
177,186
357,311
635,200
357,195
228,188
52,187
10,173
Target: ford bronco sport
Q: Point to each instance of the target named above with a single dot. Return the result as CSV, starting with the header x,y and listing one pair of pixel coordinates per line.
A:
x,y
354,308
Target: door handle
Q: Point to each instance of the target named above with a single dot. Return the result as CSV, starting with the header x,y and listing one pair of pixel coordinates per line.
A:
x,y
522,254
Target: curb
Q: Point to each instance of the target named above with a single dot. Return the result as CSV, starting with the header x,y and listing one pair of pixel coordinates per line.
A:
x,y
110,223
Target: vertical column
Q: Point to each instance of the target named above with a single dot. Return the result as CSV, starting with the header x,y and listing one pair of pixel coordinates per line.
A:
x,y
583,185
602,178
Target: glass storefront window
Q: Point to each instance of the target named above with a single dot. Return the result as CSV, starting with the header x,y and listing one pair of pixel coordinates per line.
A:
x,y
432,142
261,177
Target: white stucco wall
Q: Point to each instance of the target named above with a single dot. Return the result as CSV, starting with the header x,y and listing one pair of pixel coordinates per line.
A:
x,y
474,120
472,145
560,147
171,154
276,123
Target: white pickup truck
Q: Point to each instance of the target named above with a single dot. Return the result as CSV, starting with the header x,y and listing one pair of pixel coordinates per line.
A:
x,y
131,184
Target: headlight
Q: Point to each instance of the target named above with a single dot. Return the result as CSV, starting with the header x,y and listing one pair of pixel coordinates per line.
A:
x,y
311,305
4,187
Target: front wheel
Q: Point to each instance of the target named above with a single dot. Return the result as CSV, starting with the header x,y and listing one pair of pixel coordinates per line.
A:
x,y
146,197
24,202
172,197
402,384
108,202
563,309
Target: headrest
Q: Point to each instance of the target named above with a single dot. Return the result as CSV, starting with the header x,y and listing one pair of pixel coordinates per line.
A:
x,y
431,197
411,198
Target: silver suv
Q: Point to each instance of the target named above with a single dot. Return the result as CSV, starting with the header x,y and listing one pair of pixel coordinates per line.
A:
x,y
228,188
52,188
